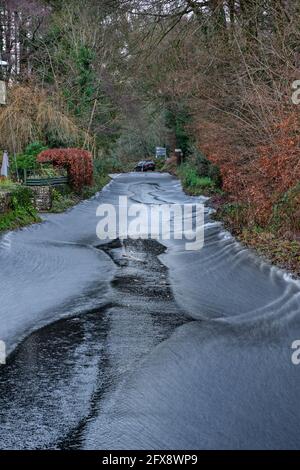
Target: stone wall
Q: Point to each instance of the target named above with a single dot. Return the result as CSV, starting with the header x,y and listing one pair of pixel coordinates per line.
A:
x,y
42,197
5,199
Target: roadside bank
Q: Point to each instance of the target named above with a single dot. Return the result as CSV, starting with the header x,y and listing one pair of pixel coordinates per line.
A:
x,y
282,250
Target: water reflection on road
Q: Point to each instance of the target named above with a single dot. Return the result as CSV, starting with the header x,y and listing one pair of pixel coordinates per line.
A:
x,y
160,348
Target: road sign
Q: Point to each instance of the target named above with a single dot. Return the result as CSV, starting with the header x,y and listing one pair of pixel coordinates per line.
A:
x,y
161,152
2,92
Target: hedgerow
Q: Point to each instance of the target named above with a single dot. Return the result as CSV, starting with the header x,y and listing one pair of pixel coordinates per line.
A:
x,y
78,162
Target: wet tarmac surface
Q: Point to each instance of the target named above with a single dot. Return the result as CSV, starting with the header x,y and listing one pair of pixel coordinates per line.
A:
x,y
55,381
140,344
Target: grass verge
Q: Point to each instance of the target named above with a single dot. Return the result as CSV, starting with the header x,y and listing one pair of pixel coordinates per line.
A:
x,y
18,218
276,248
21,211
65,200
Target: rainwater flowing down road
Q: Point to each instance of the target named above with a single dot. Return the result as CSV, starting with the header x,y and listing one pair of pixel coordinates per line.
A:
x,y
141,344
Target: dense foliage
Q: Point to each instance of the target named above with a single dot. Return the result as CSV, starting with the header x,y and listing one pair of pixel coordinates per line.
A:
x,y
78,163
27,160
21,211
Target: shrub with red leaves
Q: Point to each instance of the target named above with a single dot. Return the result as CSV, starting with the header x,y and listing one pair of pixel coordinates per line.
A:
x,y
259,177
77,162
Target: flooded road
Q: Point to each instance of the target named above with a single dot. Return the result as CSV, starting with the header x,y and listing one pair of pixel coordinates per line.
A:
x,y
141,344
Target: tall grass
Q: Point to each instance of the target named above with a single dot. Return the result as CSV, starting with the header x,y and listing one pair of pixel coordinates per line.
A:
x,y
193,183
31,115
7,185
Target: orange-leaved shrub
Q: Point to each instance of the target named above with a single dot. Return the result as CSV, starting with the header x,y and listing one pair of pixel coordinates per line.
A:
x,y
77,162
258,177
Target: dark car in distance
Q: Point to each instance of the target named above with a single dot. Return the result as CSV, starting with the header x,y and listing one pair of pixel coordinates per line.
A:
x,y
145,165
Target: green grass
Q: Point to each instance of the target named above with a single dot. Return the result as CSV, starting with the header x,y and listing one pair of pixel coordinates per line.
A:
x,y
17,218
7,185
159,164
64,201
193,183
99,182
21,212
